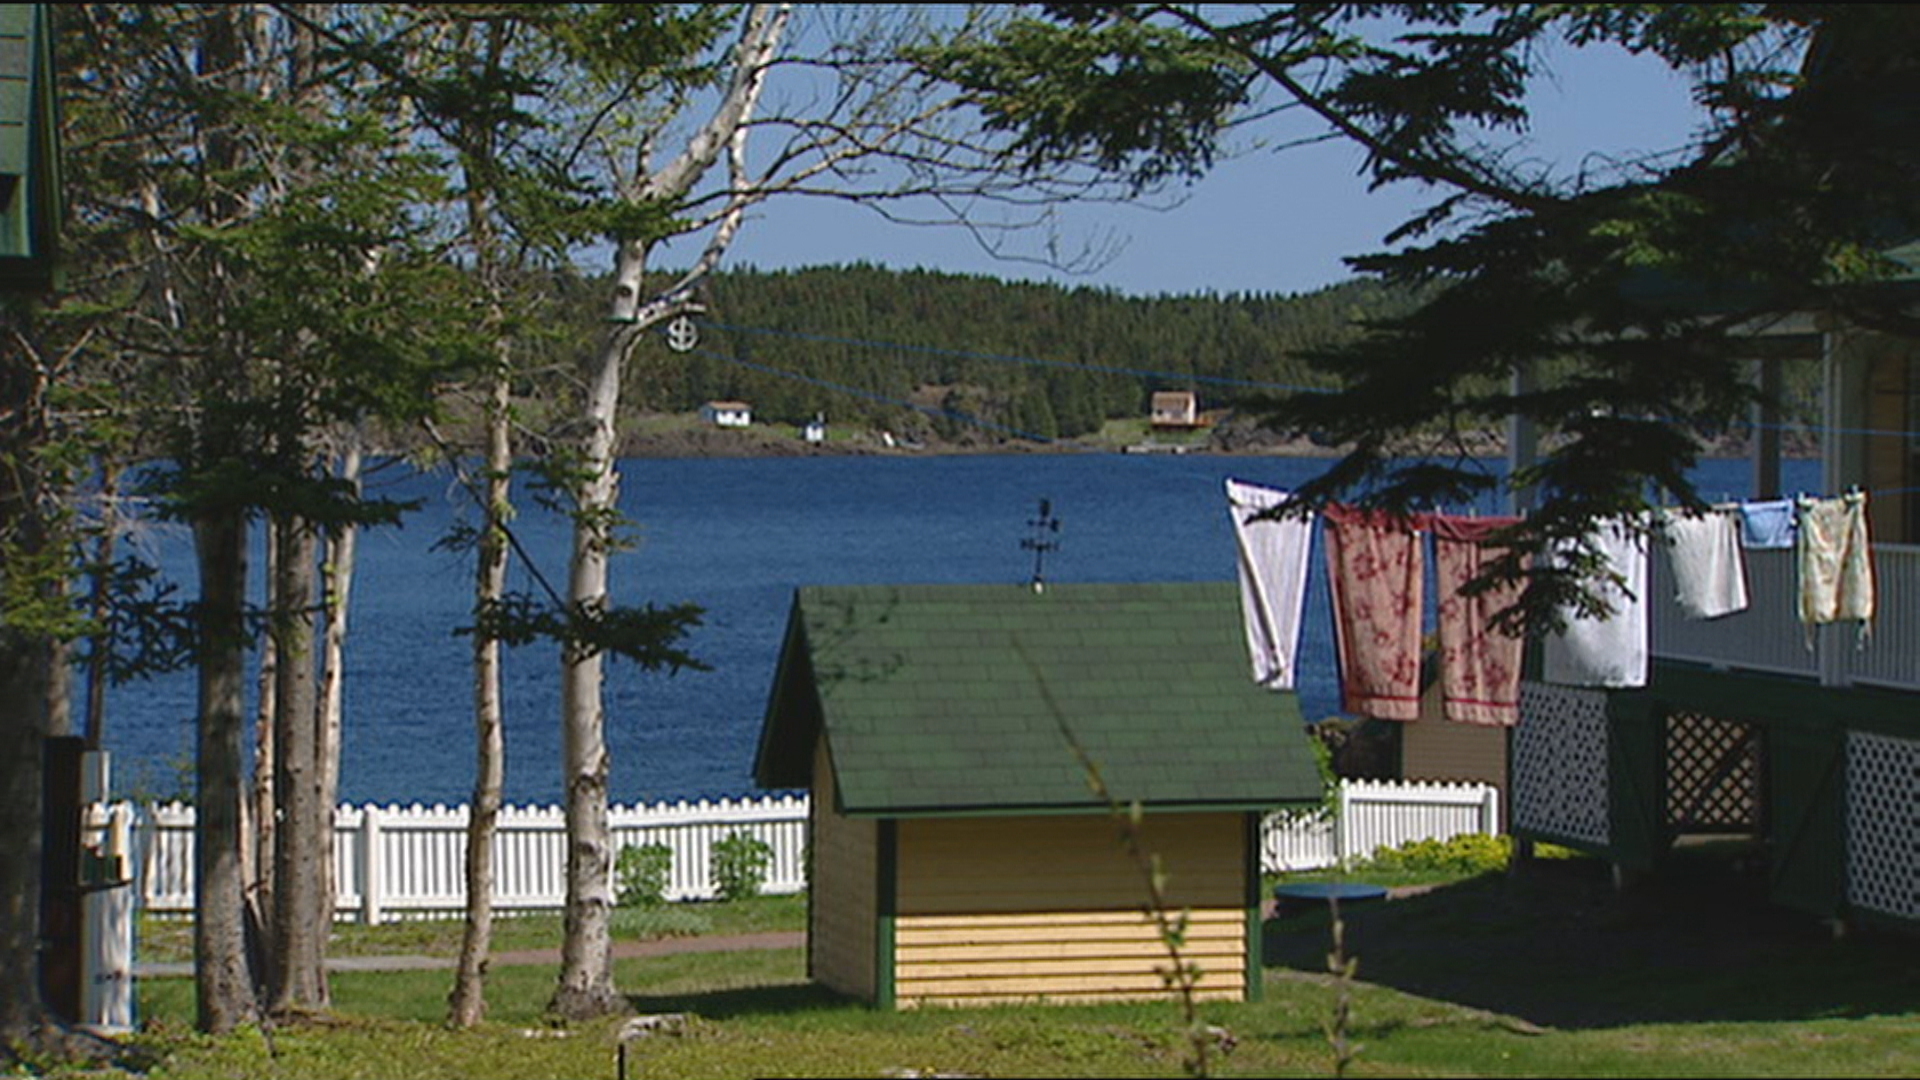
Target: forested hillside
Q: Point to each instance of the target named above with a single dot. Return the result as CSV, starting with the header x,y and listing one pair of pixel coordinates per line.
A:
x,y
854,343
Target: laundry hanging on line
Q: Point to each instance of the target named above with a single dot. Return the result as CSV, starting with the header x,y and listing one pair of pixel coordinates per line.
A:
x,y
1705,554
1479,665
1375,575
1272,561
1376,561
1767,524
1835,561
1608,651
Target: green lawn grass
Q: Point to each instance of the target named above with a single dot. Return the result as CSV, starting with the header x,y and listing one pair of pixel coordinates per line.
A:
x,y
172,939
755,1015
1533,974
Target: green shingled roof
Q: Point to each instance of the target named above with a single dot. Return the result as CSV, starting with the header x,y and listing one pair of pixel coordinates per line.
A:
x,y
934,700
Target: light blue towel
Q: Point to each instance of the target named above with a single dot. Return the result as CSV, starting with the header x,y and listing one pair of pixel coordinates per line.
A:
x,y
1767,524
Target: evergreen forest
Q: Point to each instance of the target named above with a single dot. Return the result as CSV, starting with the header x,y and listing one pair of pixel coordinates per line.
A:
x,y
961,357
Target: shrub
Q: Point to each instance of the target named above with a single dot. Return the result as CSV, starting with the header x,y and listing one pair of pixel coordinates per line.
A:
x,y
642,874
1465,855
740,864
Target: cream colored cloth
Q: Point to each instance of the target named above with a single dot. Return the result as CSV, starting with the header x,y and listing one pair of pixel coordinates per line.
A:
x,y
1836,564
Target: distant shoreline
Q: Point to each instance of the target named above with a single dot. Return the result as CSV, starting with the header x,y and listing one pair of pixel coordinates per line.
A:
x,y
771,441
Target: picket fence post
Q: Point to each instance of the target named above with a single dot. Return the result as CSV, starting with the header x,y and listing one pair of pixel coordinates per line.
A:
x,y
1343,824
371,862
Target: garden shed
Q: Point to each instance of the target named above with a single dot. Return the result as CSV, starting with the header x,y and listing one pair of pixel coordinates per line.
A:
x,y
959,855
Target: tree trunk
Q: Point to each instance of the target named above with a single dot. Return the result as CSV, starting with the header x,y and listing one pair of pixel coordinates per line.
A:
x,y
101,604
467,1003
300,920
23,717
342,549
222,975
259,818
59,675
586,972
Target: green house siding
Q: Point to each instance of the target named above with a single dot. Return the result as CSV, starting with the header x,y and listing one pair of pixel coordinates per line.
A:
x,y
30,196
1804,727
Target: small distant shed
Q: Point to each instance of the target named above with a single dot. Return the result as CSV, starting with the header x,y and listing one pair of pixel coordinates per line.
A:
x,y
958,854
727,413
1173,409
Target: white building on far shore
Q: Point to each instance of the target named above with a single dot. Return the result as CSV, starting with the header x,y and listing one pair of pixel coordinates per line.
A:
x,y
727,413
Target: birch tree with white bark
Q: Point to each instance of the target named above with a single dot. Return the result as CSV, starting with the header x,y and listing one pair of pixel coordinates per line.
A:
x,y
825,108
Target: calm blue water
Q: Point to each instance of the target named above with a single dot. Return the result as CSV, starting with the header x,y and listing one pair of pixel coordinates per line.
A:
x,y
735,536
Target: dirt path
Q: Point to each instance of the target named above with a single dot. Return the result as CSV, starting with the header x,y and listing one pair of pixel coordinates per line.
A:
x,y
627,950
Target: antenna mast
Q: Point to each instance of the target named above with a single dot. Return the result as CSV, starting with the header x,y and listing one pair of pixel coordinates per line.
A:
x,y
1043,526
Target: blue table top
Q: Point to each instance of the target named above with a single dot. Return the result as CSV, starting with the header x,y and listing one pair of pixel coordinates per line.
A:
x,y
1328,890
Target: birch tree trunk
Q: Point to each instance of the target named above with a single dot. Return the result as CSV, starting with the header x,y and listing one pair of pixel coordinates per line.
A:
x,y
586,973
337,569
259,818
585,985
467,1003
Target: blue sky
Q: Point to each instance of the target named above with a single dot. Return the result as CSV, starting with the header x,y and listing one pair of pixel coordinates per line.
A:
x,y
1262,222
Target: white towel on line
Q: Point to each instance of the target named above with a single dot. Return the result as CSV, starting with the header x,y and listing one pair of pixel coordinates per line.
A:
x,y
1709,568
1273,580
1611,651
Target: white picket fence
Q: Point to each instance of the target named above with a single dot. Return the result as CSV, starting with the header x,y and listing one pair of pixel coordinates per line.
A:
x,y
1372,814
396,862
393,862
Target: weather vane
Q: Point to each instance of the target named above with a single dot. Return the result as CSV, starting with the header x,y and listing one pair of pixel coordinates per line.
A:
x,y
1044,525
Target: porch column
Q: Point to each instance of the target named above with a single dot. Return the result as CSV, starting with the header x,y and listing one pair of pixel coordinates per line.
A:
x,y
1523,441
1766,429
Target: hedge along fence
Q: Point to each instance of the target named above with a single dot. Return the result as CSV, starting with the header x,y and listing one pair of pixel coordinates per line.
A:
x,y
397,862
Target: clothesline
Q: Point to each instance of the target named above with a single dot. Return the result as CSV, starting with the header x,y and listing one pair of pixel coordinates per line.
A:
x,y
1376,575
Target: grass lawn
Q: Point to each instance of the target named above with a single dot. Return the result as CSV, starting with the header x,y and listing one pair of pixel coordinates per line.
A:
x,y
172,939
1543,973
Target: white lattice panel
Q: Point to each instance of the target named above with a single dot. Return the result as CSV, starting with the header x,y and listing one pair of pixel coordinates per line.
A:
x,y
1560,763
1883,824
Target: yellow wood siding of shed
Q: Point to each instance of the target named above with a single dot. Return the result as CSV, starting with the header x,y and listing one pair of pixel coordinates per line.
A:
x,y
1023,908
843,912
